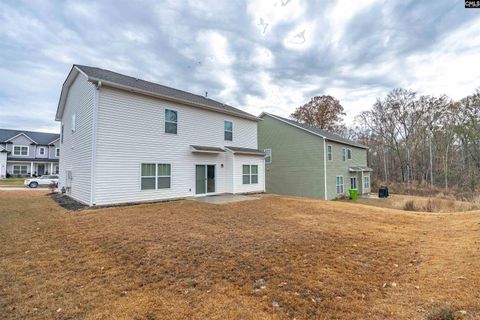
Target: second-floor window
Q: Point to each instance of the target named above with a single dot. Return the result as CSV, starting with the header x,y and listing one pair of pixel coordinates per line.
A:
x,y
41,151
228,130
74,122
57,152
171,121
349,154
268,156
20,150
344,154
329,153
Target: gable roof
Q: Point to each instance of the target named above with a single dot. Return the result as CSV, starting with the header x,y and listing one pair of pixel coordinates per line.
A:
x,y
42,138
132,84
317,131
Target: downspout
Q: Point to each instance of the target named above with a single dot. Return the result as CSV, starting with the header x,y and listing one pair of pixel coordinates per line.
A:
x,y
325,167
94,142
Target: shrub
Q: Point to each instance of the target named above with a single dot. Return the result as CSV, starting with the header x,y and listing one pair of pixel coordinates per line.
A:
x,y
444,313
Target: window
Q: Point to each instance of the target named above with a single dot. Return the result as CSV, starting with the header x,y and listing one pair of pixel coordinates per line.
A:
x,y
268,156
74,122
349,154
41,151
250,174
344,154
228,130
171,121
329,153
353,182
20,170
155,176
57,152
20,150
61,134
366,182
56,169
340,189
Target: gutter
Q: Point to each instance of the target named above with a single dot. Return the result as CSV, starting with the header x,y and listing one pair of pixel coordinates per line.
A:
x,y
325,167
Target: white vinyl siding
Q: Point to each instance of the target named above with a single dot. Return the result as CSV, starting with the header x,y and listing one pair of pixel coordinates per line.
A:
x,y
117,132
22,151
340,185
77,149
268,156
228,130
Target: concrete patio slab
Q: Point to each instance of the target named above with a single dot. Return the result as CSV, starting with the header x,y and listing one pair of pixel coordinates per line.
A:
x,y
223,198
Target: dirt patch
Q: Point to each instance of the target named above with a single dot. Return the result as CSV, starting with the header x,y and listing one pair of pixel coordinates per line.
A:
x,y
271,258
67,202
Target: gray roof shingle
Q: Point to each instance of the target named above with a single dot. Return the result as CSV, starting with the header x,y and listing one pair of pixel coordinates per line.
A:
x,y
94,73
327,134
246,151
42,138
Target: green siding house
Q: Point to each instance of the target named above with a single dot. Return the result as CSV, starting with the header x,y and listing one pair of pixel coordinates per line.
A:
x,y
310,162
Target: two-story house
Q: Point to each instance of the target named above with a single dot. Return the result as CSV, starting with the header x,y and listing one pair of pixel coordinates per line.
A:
x,y
28,153
124,140
306,161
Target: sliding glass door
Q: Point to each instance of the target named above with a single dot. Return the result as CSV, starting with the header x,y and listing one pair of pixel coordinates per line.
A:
x,y
204,179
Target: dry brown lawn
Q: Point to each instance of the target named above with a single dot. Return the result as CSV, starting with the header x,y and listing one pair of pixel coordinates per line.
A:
x,y
191,260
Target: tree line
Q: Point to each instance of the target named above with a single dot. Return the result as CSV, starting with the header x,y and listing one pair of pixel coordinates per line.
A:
x,y
422,139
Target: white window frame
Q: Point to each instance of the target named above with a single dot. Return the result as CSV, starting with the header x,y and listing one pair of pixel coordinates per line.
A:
x,y
56,169
156,176
356,183
250,174
20,171
61,133
21,147
74,122
41,151
165,121
349,154
366,182
329,152
338,185
268,155
225,131
57,152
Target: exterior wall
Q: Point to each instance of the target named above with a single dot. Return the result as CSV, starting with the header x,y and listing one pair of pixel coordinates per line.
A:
x,y
338,167
238,162
297,159
131,132
76,150
3,165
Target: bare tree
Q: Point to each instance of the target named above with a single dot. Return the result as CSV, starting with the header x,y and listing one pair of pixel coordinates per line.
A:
x,y
324,112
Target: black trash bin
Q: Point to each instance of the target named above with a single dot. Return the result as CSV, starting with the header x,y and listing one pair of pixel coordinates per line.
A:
x,y
383,192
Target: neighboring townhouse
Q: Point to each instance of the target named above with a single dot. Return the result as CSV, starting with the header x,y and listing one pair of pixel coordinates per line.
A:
x,y
28,153
307,161
128,140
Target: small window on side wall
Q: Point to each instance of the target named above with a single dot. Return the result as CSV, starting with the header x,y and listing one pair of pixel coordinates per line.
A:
x,y
228,130
57,152
171,121
268,155
344,154
41,151
349,154
249,174
74,122
329,153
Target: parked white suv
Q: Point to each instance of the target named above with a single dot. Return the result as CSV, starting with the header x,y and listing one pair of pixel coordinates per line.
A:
x,y
41,181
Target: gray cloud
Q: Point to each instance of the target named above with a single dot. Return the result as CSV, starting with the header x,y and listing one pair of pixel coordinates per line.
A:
x,y
258,55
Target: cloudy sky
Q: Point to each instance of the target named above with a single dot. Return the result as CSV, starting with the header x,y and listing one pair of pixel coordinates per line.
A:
x,y
256,55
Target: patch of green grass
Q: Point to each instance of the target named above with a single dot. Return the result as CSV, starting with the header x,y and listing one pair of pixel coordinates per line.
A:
x,y
12,182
